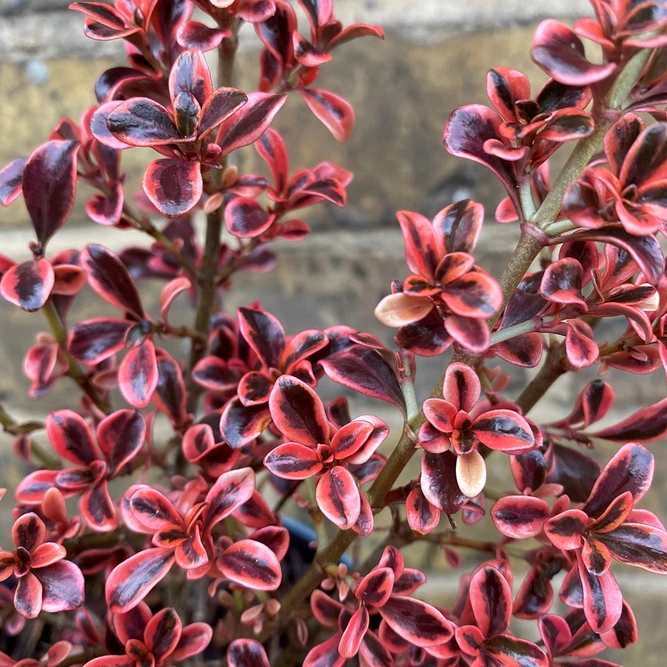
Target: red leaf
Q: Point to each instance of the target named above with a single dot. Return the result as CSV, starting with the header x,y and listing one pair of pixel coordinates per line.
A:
x,y
565,529
194,639
28,285
418,622
354,632
107,210
110,279
142,122
62,586
28,531
218,107
231,489
28,596
170,291
615,515
32,489
325,654
365,370
513,652
562,282
195,35
214,374
190,74
639,545
466,131
170,396
256,11
504,430
11,180
245,218
630,469
98,509
49,186
69,279
458,226
438,482
153,510
120,437
246,653
645,425
338,497
265,335
173,186
560,53
398,310
272,150
603,601
422,516
298,412
301,346
247,126
71,438
138,375
325,609
98,339
520,517
251,564
240,424
491,600
354,31
580,346
162,633
376,587
134,578
645,250
475,295
293,461
421,252
333,111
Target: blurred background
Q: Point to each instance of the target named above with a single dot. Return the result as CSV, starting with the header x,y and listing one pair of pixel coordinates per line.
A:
x,y
435,58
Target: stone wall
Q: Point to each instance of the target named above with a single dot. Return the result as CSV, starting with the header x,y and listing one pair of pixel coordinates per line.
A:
x,y
435,58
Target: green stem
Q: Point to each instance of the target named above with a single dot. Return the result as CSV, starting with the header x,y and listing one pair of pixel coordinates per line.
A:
x,y
74,370
553,367
316,515
508,333
586,148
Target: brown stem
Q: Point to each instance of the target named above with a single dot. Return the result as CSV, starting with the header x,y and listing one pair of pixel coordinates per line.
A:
x,y
207,283
553,367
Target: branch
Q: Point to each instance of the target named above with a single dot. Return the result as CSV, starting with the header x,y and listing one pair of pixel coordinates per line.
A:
x,y
531,242
207,287
74,370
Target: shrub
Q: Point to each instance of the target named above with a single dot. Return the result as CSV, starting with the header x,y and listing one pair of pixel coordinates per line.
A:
x,y
192,559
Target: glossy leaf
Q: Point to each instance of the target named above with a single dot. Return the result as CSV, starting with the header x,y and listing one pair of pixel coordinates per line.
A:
x,y
28,285
298,412
135,577
246,653
520,517
173,186
251,564
138,375
365,370
418,622
336,113
49,186
338,497
110,279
